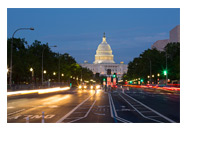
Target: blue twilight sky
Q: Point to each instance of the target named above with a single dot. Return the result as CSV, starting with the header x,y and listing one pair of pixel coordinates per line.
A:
x,y
79,31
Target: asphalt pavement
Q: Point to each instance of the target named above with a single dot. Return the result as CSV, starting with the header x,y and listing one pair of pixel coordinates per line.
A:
x,y
87,106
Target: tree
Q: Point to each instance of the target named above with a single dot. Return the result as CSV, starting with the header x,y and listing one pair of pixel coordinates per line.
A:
x,y
26,57
140,66
173,60
19,63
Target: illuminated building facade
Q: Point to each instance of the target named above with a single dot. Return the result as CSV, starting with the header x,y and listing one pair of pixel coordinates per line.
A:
x,y
104,60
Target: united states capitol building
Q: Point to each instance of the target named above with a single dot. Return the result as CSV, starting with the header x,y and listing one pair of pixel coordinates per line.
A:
x,y
104,60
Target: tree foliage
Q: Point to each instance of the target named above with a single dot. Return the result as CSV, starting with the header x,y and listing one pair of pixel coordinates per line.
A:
x,y
30,56
140,66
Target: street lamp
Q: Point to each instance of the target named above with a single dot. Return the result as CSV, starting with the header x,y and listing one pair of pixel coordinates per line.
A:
x,y
10,81
54,73
42,60
59,68
158,78
32,71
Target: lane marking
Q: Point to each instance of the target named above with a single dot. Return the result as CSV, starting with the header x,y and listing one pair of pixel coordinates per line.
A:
x,y
153,116
152,109
15,112
10,107
145,112
113,111
15,117
68,114
100,114
139,111
122,119
85,114
111,108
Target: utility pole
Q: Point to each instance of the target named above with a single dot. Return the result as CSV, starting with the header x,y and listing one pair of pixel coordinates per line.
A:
x,y
150,71
59,69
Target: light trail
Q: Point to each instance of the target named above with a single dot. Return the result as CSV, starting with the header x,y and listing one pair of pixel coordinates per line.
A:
x,y
37,91
155,86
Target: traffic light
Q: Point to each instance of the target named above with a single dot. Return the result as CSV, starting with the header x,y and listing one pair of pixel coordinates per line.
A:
x,y
104,79
131,82
114,75
165,72
141,80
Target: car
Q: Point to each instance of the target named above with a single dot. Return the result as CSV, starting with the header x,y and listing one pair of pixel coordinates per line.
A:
x,y
82,87
95,87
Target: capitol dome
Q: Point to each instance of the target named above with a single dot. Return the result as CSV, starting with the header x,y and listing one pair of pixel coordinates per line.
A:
x,y
104,53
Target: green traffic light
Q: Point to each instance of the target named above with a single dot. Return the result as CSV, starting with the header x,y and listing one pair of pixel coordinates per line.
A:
x,y
104,79
165,72
114,75
131,82
141,80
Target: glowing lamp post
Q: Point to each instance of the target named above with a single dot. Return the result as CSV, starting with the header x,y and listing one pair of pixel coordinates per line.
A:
x,y
42,60
10,81
158,75
32,71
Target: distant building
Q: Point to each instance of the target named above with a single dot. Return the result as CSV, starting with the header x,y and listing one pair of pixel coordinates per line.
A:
x,y
104,60
174,36
160,44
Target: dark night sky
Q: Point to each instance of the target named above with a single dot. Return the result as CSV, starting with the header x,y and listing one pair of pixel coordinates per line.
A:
x,y
79,31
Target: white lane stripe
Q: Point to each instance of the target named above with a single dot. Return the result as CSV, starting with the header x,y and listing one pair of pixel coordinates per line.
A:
x,y
111,110
152,110
139,111
68,114
124,120
85,114
15,112
116,116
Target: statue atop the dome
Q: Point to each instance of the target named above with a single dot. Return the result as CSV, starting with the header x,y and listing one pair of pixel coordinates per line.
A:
x,y
104,37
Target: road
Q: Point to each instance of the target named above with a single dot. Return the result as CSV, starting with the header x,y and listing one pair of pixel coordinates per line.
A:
x,y
136,105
